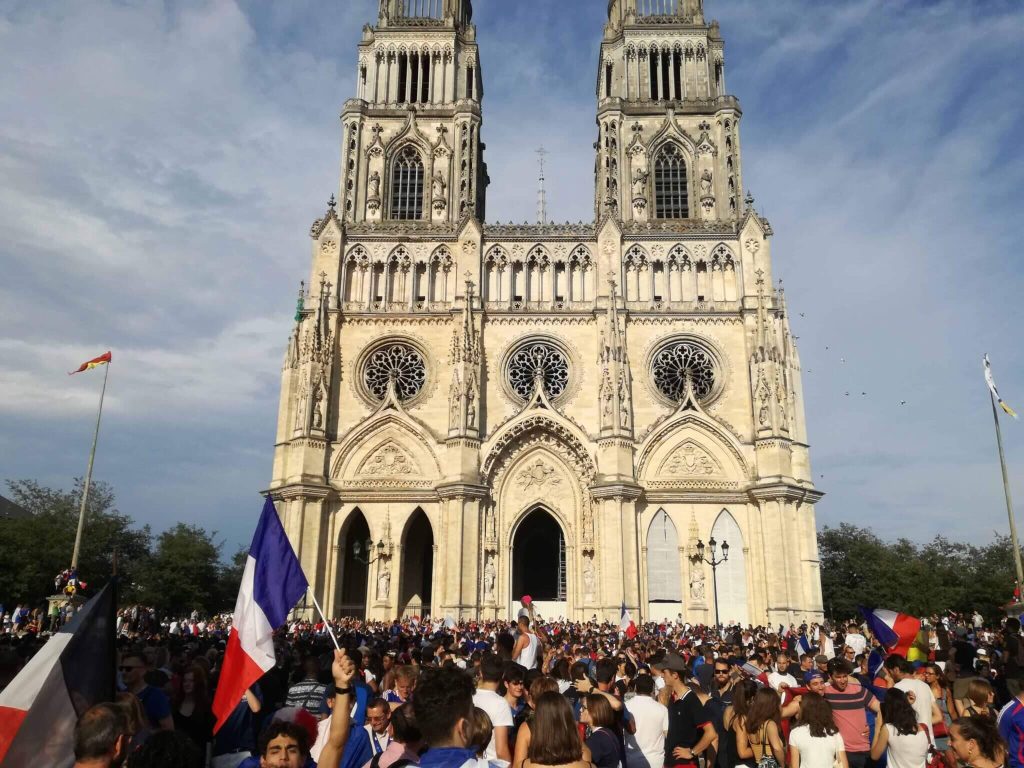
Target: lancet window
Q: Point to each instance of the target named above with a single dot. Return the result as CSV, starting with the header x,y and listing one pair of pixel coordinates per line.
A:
x,y
671,196
407,185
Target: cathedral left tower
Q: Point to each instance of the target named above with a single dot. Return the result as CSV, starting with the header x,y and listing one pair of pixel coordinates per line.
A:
x,y
412,189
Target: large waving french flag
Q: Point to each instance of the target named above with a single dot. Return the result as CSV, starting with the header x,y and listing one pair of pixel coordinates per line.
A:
x,y
272,583
895,631
72,672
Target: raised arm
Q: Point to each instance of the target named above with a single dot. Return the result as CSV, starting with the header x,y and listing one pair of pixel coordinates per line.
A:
x,y
343,671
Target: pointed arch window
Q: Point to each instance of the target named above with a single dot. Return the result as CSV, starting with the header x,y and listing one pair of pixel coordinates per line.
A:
x,y
671,195
407,185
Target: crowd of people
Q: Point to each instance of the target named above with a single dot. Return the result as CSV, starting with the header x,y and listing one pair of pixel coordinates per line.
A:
x,y
539,694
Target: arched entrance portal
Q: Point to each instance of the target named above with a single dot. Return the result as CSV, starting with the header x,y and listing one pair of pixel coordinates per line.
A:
x,y
352,595
417,566
732,574
664,574
538,563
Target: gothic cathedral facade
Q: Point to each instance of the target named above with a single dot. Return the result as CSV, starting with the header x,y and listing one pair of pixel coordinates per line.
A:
x,y
474,411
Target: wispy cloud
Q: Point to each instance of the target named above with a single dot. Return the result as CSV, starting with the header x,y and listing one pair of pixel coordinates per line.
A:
x,y
161,162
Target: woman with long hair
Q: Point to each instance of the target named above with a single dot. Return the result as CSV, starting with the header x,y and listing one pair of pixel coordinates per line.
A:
x,y
191,708
606,747
815,742
554,738
734,719
976,742
937,680
898,735
541,685
761,736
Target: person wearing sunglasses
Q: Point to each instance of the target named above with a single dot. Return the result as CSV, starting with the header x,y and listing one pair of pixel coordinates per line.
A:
x,y
154,701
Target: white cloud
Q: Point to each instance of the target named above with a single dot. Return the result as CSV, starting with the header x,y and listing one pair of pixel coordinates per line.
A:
x,y
161,163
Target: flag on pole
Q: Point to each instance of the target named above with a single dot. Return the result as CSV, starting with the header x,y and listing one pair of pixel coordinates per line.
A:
x,y
804,643
995,392
895,631
272,584
96,362
72,672
626,624
755,672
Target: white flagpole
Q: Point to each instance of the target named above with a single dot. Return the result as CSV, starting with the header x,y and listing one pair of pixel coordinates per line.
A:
x,y
327,624
88,474
1006,490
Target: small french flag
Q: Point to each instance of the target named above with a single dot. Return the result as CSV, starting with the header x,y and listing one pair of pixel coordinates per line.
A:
x,y
626,624
804,644
272,584
895,631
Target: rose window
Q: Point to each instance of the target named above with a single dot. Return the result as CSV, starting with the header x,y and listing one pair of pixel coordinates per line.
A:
x,y
538,359
676,362
396,362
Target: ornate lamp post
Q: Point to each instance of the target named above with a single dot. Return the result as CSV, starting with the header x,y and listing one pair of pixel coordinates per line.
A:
x,y
362,551
714,562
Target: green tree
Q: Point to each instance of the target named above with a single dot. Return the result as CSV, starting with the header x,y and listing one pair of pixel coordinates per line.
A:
x,y
858,568
184,572
37,547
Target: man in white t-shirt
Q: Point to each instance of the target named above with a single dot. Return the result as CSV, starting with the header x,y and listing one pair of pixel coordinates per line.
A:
x,y
646,747
782,676
902,672
488,699
855,640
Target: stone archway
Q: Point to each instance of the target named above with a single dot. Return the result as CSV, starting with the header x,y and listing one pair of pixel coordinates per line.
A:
x,y
538,562
732,574
416,591
354,577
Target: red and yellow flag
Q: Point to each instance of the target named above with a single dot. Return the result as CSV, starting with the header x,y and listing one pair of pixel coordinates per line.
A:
x,y
94,363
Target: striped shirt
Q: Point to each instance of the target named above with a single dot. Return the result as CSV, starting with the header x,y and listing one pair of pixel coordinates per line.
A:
x,y
1011,728
848,711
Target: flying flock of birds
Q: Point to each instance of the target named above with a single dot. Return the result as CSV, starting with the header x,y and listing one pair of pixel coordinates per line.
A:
x,y
842,361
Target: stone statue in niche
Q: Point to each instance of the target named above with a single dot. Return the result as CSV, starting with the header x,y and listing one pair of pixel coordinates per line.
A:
x,y
706,183
470,408
589,578
623,405
697,584
489,577
489,523
588,522
373,190
318,414
640,176
437,186
384,581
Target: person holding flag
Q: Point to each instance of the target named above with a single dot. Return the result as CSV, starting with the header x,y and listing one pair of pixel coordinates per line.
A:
x,y
272,583
626,625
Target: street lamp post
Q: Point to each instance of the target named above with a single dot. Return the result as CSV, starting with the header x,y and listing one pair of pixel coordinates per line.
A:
x,y
362,550
714,562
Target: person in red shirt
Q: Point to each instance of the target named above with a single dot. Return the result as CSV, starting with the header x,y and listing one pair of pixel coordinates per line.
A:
x,y
850,702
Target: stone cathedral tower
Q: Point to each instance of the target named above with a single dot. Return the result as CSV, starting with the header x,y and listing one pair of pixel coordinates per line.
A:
x,y
474,411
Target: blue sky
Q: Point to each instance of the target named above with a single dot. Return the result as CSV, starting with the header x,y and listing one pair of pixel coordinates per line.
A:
x,y
160,164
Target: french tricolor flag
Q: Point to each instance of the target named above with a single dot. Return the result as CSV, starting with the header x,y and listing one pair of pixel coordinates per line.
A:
x,y
72,672
895,631
626,624
272,583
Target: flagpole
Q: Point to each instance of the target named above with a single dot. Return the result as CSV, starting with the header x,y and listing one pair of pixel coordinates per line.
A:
x,y
88,473
327,624
1006,490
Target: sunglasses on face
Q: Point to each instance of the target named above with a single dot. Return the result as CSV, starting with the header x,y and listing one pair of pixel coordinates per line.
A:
x,y
129,668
